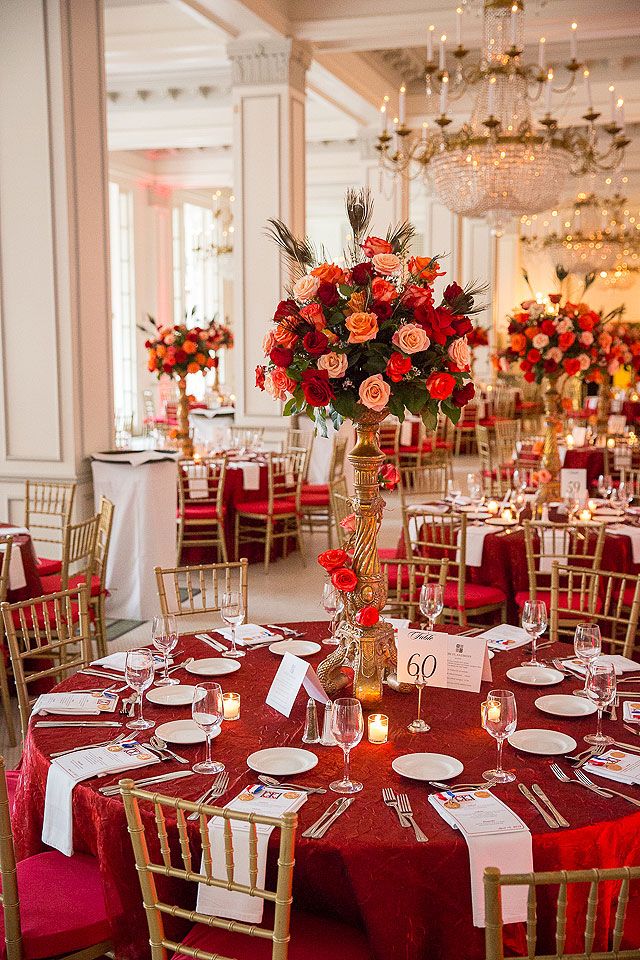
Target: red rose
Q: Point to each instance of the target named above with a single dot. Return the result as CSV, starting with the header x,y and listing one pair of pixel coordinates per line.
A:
x,y
382,310
463,395
566,340
572,366
281,356
533,356
367,616
440,385
461,325
555,297
383,290
529,377
344,579
587,322
286,308
313,314
388,476
361,274
315,343
548,327
550,366
181,355
397,366
260,372
452,292
332,559
316,387
374,245
328,294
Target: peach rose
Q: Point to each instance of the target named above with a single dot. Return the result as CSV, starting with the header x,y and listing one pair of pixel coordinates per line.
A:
x,y
586,338
459,352
585,361
278,384
387,263
361,327
374,392
268,342
383,290
356,302
613,367
328,273
306,288
312,313
284,336
564,326
553,353
605,340
540,341
410,338
334,363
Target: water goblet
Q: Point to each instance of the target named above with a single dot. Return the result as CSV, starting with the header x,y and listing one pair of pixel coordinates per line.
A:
x,y
138,673
431,602
453,490
587,643
474,487
164,634
207,710
499,716
600,687
534,622
347,726
232,612
331,604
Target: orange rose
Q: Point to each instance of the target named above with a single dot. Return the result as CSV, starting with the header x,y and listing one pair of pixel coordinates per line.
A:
x,y
189,347
284,336
200,358
532,331
356,302
193,367
161,350
424,268
362,326
330,335
383,290
282,383
518,342
328,273
152,364
312,313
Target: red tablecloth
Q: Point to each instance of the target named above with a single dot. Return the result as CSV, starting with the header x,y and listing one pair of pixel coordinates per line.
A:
x,y
631,410
24,544
413,900
590,459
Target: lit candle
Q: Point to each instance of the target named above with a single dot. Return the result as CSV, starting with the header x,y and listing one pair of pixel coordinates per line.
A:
x,y
585,515
459,26
507,514
443,94
569,439
541,54
587,83
443,40
548,91
620,106
430,43
424,132
383,117
574,41
593,506
492,507
514,24
611,443
403,104
493,712
378,728
231,706
491,97
612,102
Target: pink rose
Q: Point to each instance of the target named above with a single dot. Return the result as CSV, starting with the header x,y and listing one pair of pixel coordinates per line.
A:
x,y
269,341
555,354
410,338
278,384
540,341
565,326
386,263
585,361
374,392
613,367
334,363
459,352
306,287
586,338
349,523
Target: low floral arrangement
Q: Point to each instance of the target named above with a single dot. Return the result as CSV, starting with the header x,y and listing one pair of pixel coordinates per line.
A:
x,y
175,351
478,337
338,565
368,336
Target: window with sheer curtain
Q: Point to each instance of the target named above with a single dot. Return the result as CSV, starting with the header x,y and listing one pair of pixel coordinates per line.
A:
x,y
123,303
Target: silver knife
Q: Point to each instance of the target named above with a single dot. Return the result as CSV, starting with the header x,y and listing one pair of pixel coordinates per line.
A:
x,y
321,819
114,789
539,792
210,642
345,804
77,723
549,820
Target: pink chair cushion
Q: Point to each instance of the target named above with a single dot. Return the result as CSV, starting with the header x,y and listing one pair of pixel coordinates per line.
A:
x,y
47,567
475,595
202,511
316,488
261,507
54,584
61,905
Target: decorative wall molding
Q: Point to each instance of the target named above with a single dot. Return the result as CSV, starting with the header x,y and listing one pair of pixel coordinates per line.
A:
x,y
269,61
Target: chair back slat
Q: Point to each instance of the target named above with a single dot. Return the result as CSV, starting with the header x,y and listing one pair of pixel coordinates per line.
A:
x,y
532,922
47,509
6,546
183,834
186,591
403,594
561,919
590,922
621,914
161,826
228,852
338,457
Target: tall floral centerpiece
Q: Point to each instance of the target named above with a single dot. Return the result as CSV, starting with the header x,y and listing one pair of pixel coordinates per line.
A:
x,y
221,337
358,342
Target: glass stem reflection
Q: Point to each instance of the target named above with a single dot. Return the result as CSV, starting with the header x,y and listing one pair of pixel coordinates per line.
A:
x,y
347,777
420,687
209,757
499,761
599,725
165,676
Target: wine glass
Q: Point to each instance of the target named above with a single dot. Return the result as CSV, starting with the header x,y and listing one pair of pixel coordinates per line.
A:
x,y
207,710
587,643
138,672
347,726
232,612
474,487
431,602
601,690
499,718
534,622
331,605
453,490
164,634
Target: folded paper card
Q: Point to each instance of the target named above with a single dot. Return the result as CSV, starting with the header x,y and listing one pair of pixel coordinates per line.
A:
x,y
72,704
117,662
505,637
631,710
442,660
616,765
247,633
293,673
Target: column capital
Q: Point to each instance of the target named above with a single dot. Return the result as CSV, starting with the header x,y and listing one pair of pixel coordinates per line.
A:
x,y
269,60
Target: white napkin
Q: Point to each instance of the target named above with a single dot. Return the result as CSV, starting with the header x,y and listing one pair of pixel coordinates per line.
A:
x,y
197,481
136,457
116,662
634,535
475,544
67,704
616,765
397,623
217,902
406,433
65,772
13,531
436,509
17,579
247,633
505,637
550,541
621,664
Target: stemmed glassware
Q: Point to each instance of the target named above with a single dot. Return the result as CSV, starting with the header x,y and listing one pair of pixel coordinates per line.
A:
x,y
207,710
453,490
347,726
601,690
331,604
232,612
534,622
474,487
138,672
499,718
587,643
164,634
431,602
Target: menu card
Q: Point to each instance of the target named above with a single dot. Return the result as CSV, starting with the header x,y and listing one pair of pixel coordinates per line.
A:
x,y
495,837
269,802
293,673
616,765
631,711
505,637
72,703
442,660
116,662
248,633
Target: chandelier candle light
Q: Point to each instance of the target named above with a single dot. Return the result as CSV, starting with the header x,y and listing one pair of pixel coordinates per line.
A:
x,y
357,343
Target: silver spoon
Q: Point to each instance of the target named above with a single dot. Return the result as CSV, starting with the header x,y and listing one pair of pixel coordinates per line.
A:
x,y
161,745
272,782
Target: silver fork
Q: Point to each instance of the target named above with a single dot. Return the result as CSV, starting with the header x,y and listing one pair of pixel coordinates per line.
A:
x,y
89,746
559,774
390,800
485,785
584,780
405,808
218,787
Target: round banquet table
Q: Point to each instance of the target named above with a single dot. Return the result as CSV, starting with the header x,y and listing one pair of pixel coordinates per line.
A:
x,y
413,900
590,459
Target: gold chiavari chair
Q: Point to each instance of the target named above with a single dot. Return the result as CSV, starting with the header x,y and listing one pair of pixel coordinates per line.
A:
x,y
279,517
6,546
465,429
571,544
315,498
52,630
78,554
201,506
98,590
31,927
47,512
507,436
423,484
244,437
403,579
341,507
389,439
570,896
496,475
189,591
436,447
612,600
213,937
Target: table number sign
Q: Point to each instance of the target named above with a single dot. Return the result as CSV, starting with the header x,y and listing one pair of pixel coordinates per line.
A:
x,y
573,483
293,673
442,660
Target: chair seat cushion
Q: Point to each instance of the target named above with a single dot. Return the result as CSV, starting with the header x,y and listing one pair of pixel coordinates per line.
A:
x,y
61,905
315,499
577,602
46,567
476,595
199,511
40,615
316,489
54,584
312,938
261,507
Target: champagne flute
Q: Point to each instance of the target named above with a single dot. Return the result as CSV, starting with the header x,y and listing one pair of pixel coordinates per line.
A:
x,y
138,672
207,710
232,612
601,690
431,602
347,726
587,643
330,603
534,622
164,634
499,716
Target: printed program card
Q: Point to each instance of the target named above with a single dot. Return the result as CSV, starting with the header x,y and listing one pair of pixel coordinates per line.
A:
x,y
631,711
442,660
616,765
293,673
505,637
72,704
477,812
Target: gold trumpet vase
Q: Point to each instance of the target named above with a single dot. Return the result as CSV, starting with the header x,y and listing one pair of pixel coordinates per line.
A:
x,y
183,434
550,490
368,650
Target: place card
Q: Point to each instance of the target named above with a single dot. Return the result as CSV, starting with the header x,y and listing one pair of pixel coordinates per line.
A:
x,y
505,637
293,673
573,483
72,703
442,660
631,711
617,765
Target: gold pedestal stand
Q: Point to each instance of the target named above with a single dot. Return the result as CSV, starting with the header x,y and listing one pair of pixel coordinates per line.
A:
x,y
550,491
183,434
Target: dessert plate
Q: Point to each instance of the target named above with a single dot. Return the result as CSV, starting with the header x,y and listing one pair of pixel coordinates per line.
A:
x,y
183,731
427,766
282,761
212,667
548,743
299,648
175,696
565,705
535,676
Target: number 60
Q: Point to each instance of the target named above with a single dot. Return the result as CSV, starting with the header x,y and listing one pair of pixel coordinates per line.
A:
x,y
421,671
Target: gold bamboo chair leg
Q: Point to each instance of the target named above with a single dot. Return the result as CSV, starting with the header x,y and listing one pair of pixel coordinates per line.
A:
x,y
222,541
5,696
180,540
267,544
236,538
100,624
301,542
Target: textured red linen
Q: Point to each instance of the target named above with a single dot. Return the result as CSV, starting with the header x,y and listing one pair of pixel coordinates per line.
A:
x,y
23,542
413,900
590,459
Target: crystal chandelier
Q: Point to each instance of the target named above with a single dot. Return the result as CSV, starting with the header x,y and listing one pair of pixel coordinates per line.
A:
x,y
217,240
501,163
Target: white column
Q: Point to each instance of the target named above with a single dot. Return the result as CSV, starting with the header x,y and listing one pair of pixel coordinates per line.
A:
x,y
268,77
56,402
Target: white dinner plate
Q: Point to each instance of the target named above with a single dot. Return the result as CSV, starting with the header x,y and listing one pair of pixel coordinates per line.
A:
x,y
183,731
549,743
535,676
564,705
299,648
175,696
282,761
427,766
499,522
609,514
477,515
212,667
